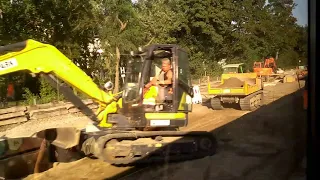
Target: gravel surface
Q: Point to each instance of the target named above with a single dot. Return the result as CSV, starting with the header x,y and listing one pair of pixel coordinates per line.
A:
x,y
31,127
252,145
264,144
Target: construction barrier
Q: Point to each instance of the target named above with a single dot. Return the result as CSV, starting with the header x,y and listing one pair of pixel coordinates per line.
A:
x,y
197,98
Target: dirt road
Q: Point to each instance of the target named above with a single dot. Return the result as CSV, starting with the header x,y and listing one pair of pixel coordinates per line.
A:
x,y
264,144
252,145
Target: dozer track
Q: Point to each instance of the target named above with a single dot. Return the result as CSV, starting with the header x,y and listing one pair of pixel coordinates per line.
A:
x,y
251,102
129,148
216,103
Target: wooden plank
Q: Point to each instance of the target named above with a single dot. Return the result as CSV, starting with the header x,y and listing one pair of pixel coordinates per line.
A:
x,y
86,102
49,110
12,115
80,114
40,106
46,106
74,109
94,109
13,109
43,115
13,121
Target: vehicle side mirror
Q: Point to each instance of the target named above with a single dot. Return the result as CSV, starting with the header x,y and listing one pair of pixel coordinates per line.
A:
x,y
108,86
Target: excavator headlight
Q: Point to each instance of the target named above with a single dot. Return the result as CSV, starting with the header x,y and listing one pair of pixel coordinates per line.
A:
x,y
108,86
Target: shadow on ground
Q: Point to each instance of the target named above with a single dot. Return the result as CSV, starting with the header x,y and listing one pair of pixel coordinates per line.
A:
x,y
267,143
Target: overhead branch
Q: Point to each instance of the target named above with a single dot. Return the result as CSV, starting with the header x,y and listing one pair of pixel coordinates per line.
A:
x,y
123,25
150,41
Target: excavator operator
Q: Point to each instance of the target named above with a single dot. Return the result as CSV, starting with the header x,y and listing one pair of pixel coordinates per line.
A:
x,y
161,85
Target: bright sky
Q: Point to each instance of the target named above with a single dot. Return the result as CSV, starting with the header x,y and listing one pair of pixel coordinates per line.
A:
x,y
301,11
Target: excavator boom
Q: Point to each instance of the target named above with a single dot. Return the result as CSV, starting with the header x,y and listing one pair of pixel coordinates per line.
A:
x,y
38,58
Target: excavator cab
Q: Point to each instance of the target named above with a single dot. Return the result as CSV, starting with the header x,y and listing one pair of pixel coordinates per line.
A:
x,y
234,68
258,65
142,103
270,63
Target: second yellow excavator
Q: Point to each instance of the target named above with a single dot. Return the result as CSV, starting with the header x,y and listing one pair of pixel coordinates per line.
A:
x,y
122,119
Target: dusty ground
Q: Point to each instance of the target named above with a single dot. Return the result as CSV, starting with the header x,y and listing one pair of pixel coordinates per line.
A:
x,y
264,144
29,128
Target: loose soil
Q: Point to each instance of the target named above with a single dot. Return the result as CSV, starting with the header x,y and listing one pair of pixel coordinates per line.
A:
x,y
265,144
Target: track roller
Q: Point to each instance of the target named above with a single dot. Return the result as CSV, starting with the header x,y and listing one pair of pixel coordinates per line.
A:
x,y
251,102
153,146
216,104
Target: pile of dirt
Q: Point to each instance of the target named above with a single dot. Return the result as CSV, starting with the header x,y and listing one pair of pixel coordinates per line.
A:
x,y
232,83
250,81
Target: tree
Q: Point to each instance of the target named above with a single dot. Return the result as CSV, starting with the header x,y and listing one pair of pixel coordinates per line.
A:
x,y
119,29
68,25
302,44
158,20
210,30
197,26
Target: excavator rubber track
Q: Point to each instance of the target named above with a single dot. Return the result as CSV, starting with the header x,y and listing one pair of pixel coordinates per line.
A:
x,y
251,102
130,148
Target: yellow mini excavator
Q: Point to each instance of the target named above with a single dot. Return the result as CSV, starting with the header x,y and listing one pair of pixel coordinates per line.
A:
x,y
123,119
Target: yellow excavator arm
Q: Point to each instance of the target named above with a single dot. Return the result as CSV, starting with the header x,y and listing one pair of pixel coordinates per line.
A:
x,y
40,58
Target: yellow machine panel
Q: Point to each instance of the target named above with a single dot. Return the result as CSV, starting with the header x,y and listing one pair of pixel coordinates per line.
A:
x,y
244,89
236,84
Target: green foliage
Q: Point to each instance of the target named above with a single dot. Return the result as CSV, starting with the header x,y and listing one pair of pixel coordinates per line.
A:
x,y
30,98
239,31
158,20
47,94
3,87
288,59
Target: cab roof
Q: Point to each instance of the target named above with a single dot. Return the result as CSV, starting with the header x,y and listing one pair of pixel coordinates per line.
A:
x,y
232,65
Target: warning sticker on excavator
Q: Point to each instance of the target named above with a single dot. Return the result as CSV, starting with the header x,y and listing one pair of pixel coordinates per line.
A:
x,y
159,122
10,63
158,145
226,91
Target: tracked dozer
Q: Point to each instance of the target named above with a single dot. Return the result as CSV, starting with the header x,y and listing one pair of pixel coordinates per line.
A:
x,y
125,129
237,87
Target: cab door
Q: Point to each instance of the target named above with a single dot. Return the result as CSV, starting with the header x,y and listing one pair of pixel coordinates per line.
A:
x,y
183,87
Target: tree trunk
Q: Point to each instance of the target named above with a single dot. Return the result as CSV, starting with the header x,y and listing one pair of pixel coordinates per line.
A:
x,y
117,80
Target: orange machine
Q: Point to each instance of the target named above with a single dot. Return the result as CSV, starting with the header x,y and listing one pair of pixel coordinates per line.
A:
x,y
267,67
